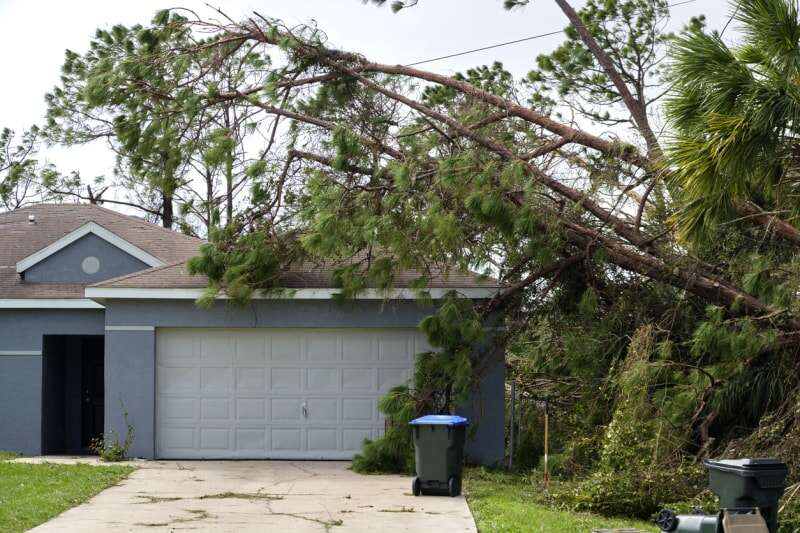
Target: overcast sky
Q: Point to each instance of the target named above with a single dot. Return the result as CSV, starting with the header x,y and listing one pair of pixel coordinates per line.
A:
x,y
35,33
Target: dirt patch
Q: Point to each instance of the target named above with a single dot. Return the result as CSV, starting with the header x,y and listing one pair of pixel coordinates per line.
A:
x,y
196,516
156,499
242,496
327,524
254,496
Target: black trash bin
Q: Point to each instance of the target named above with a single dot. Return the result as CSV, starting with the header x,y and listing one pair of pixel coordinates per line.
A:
x,y
749,483
748,491
439,453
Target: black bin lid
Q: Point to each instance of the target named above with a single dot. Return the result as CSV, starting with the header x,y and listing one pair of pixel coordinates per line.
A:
x,y
746,465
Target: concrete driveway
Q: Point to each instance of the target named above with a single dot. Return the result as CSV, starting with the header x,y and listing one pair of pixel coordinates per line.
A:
x,y
239,496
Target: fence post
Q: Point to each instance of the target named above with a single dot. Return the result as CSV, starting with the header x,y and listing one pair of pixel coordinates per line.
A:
x,y
513,420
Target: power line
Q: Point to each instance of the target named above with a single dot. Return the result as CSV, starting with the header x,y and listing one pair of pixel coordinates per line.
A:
x,y
532,37
733,14
522,40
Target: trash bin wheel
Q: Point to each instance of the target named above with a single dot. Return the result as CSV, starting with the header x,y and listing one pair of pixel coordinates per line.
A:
x,y
416,487
454,486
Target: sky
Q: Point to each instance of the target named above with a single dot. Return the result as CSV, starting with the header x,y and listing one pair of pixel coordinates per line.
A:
x,y
35,33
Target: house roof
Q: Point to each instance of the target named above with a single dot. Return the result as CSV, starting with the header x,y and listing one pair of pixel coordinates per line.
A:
x,y
305,276
19,239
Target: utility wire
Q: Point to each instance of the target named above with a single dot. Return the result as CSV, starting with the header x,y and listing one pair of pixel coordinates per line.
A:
x,y
733,14
522,40
532,37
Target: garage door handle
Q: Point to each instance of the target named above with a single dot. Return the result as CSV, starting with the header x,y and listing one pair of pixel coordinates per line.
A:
x,y
304,409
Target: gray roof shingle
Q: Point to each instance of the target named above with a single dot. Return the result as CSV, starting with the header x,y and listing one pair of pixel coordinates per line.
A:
x,y
306,276
19,239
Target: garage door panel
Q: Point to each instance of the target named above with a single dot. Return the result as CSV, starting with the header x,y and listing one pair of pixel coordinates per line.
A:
x,y
286,439
323,410
323,347
322,380
358,379
180,379
394,348
323,439
178,438
286,409
358,409
251,379
177,349
251,439
352,439
357,347
216,380
252,348
391,377
287,380
217,349
251,409
215,438
178,409
275,393
215,409
287,347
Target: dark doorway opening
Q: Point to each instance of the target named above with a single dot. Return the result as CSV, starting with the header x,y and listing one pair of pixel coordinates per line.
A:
x,y
72,393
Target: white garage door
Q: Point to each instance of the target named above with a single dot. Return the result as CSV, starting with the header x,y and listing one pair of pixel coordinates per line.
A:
x,y
275,393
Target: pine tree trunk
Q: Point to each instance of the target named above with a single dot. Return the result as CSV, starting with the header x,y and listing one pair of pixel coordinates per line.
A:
x,y
167,212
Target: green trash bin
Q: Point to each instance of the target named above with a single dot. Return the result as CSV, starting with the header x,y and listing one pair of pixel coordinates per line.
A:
x,y
745,483
439,453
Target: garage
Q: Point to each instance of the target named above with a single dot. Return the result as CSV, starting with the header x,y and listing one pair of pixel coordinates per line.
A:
x,y
266,393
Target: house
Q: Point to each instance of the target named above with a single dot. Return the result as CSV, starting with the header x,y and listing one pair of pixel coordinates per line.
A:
x,y
99,326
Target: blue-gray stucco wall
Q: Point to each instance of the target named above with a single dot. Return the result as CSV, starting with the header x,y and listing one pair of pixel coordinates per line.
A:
x,y
64,266
131,327
21,335
21,403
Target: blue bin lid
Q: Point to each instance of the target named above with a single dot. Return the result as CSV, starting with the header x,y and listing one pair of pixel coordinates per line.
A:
x,y
440,420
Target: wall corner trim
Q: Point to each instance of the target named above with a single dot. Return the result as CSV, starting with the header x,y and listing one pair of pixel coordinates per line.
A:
x,y
49,303
130,328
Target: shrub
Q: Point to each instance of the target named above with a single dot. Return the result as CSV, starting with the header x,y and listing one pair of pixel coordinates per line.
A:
x,y
394,451
556,465
110,448
637,494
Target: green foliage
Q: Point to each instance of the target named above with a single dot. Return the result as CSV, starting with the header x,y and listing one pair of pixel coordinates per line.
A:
x,y
516,502
734,110
31,494
641,376
394,451
627,28
724,343
109,446
156,94
442,377
21,177
240,266
630,493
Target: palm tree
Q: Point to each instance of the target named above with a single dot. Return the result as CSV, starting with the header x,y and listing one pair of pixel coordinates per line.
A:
x,y
735,114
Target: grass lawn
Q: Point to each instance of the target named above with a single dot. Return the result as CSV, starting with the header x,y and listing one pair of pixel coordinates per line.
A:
x,y
506,502
7,455
32,494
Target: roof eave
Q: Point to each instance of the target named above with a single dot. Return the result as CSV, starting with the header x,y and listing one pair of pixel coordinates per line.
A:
x,y
49,303
103,293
